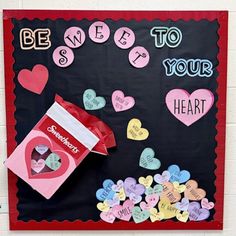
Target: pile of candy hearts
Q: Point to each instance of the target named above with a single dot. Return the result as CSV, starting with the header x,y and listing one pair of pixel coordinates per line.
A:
x,y
171,194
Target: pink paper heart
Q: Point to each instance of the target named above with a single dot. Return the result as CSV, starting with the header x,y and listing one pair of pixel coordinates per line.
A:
x,y
188,108
123,212
108,216
206,204
151,201
37,166
34,80
120,102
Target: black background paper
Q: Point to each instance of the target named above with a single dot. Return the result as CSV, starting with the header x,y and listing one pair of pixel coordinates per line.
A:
x,y
105,68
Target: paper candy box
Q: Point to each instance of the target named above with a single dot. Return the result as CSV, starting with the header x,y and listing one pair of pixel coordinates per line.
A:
x,y
57,145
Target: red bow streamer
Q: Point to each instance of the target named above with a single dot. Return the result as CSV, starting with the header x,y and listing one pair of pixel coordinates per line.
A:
x,y
95,125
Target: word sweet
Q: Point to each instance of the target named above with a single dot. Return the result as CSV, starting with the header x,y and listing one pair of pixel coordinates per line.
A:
x,y
37,39
191,67
52,129
172,36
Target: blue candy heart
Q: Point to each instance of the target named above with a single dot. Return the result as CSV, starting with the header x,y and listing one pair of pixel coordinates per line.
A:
x,y
91,101
148,160
177,175
106,192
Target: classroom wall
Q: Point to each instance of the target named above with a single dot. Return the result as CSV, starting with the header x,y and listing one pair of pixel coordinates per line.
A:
x,y
230,170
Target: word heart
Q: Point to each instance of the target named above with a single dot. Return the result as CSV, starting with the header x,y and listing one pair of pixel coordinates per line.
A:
x,y
91,101
123,212
120,102
189,108
34,80
148,160
135,132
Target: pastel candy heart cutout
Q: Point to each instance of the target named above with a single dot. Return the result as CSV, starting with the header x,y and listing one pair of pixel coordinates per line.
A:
x,y
182,217
139,216
37,166
106,192
135,132
151,201
34,80
120,102
178,176
131,186
206,204
148,160
183,205
179,187
135,198
170,193
117,187
41,149
113,202
147,182
196,213
155,215
108,216
156,189
192,192
167,209
91,101
164,177
103,206
121,194
189,108
53,161
123,212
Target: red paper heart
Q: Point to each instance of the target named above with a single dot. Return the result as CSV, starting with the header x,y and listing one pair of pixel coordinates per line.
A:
x,y
34,80
46,175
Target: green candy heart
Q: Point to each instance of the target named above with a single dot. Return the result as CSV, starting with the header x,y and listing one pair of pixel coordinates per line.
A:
x,y
91,102
139,215
53,161
157,189
148,161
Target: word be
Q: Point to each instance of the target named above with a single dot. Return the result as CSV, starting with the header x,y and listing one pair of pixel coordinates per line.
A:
x,y
191,67
37,39
172,36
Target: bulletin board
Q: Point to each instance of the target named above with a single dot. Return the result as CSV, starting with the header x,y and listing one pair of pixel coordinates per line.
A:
x,y
158,79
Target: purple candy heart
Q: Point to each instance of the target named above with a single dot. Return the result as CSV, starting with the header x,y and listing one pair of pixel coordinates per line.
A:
x,y
196,213
183,205
130,186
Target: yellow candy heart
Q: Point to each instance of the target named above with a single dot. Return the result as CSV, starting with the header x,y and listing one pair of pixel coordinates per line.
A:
x,y
167,209
156,216
179,187
103,206
135,132
121,194
183,217
147,182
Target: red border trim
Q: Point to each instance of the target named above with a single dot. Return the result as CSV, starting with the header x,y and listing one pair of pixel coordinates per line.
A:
x,y
221,16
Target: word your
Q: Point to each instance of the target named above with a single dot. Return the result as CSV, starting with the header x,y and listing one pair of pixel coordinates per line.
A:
x,y
191,67
172,36
52,129
35,39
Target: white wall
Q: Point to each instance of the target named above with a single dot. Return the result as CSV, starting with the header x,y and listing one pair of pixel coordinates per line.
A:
x,y
230,182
